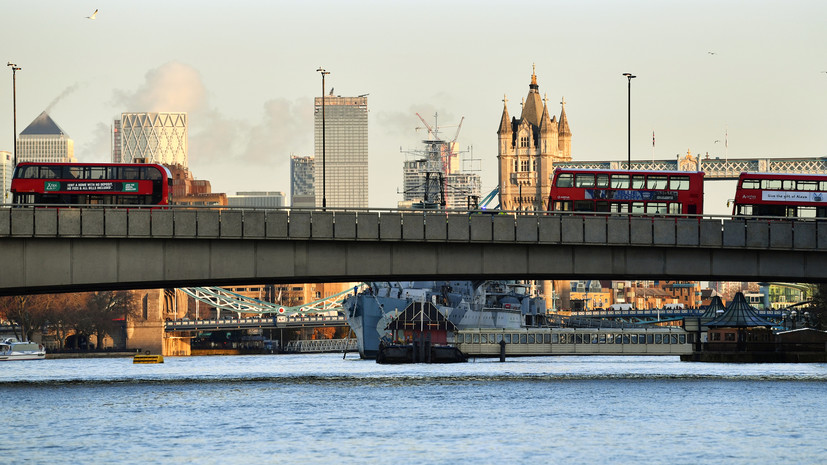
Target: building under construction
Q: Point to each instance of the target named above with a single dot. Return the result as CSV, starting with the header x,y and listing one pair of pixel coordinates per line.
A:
x,y
432,177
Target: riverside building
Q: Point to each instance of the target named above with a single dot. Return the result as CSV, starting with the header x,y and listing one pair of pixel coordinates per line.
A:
x,y
44,141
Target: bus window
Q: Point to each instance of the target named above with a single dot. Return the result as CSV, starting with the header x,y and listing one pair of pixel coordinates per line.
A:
x,y
679,183
822,186
153,173
565,180
751,184
620,207
788,184
807,212
602,180
620,181
583,206
562,205
771,184
75,172
807,185
637,181
130,172
675,208
656,182
743,210
638,207
50,172
94,172
602,206
656,207
584,180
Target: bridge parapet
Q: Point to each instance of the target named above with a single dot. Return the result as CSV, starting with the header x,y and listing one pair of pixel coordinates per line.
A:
x,y
466,227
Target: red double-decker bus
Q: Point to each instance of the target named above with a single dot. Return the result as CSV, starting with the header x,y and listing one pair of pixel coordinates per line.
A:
x,y
781,195
91,184
624,191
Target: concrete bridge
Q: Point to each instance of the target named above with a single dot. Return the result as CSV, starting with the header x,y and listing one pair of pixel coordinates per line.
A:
x,y
75,249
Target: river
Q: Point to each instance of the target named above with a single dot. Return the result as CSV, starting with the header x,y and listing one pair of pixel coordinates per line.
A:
x,y
321,409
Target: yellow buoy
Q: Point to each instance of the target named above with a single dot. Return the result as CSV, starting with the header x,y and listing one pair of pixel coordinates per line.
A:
x,y
147,358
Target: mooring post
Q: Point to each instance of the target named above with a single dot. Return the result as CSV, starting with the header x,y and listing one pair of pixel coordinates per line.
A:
x,y
502,350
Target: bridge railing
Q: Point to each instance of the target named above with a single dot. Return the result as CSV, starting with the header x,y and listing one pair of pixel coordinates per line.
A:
x,y
425,226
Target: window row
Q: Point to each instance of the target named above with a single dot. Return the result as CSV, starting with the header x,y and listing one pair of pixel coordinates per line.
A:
x,y
784,184
661,208
623,181
131,172
571,338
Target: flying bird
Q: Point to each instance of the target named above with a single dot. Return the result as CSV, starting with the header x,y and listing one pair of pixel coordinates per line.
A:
x,y
93,14
716,141
711,53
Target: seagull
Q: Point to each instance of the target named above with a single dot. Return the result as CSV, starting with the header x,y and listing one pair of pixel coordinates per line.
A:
x,y
711,53
716,141
93,15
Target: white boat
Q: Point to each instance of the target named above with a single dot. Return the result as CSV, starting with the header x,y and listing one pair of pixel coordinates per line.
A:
x,y
12,349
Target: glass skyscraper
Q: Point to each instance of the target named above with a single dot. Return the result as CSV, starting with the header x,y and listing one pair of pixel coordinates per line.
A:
x,y
342,172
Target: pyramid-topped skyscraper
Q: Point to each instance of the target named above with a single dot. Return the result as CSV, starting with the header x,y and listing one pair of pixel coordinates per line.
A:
x,y
44,141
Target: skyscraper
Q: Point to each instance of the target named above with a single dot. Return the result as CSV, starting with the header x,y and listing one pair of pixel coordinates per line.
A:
x,y
302,182
44,141
6,170
153,137
342,163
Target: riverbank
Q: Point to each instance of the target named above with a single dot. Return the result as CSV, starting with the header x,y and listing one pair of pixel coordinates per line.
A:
x,y
71,355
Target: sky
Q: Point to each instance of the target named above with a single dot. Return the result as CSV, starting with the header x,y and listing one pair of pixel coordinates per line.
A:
x,y
753,74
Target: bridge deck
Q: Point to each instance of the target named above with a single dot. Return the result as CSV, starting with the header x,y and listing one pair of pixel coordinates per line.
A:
x,y
91,248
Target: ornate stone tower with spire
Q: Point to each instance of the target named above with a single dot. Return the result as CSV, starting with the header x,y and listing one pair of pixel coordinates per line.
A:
x,y
527,150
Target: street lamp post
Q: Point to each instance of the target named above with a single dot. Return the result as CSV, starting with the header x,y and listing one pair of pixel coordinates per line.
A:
x,y
14,70
324,165
629,77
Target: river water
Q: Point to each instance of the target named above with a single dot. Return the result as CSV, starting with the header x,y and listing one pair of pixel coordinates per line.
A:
x,y
309,409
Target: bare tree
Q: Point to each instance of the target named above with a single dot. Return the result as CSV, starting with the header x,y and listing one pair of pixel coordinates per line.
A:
x,y
106,312
26,311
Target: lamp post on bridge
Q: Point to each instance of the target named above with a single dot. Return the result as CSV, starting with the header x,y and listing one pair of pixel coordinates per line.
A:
x,y
324,165
629,77
14,70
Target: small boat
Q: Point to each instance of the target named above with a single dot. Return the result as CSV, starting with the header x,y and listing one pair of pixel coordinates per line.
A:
x,y
12,349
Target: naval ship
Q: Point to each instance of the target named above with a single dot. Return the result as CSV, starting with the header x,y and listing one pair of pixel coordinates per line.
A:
x,y
466,304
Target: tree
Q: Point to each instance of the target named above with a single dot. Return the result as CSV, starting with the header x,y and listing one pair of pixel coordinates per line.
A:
x,y
818,307
29,312
106,312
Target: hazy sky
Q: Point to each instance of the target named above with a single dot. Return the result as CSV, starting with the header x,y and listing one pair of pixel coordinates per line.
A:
x,y
245,73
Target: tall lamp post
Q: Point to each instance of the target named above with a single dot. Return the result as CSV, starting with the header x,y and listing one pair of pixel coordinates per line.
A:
x,y
324,166
629,76
14,70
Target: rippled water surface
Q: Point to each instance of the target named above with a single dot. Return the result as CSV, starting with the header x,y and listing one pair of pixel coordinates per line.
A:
x,y
323,409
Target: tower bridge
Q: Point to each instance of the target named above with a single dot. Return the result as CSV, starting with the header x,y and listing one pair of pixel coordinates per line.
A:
x,y
713,168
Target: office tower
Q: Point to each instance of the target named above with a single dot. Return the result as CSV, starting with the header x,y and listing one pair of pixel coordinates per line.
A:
x,y
342,163
153,138
6,170
117,156
528,147
302,182
44,141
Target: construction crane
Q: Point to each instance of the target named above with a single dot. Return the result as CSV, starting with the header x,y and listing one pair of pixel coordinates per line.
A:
x,y
428,126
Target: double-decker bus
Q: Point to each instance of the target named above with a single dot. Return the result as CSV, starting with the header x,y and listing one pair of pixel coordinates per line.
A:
x,y
781,195
91,184
624,191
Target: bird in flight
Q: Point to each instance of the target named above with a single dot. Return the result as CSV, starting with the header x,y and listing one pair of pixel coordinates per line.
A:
x,y
93,14
711,53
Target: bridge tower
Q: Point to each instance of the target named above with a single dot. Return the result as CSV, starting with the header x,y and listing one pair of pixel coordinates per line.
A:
x,y
528,147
